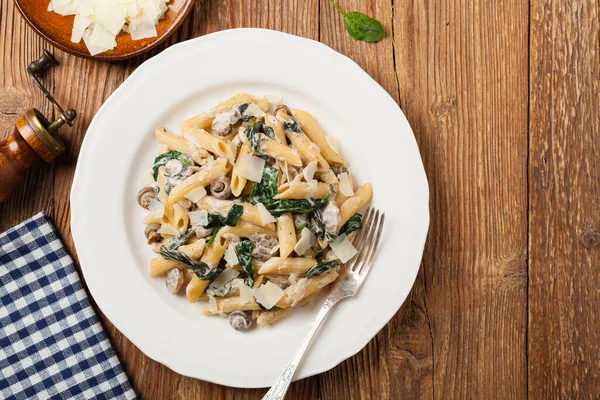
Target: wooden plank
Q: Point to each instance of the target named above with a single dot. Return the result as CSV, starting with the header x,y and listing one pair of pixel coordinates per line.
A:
x,y
564,200
397,363
462,71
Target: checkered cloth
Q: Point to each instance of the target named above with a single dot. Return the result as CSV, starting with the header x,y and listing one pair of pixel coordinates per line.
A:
x,y
51,342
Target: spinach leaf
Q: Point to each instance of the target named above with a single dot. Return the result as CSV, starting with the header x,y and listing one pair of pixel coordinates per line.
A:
x,y
218,221
213,236
241,108
163,158
361,27
319,226
282,206
321,267
244,249
253,134
266,189
293,126
302,226
171,251
354,223
318,251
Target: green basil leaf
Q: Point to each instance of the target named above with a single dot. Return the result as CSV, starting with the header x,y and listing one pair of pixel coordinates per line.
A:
x,y
364,28
321,267
244,249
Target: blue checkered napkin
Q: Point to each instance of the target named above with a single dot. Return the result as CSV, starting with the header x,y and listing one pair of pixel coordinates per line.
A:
x,y
51,342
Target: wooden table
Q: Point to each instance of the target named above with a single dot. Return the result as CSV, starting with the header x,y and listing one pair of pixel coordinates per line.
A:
x,y
503,100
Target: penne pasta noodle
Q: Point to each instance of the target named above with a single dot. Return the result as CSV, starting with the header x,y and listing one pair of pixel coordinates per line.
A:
x,y
208,142
217,206
207,174
302,190
317,135
173,141
194,289
286,232
312,286
281,152
274,123
353,204
204,120
244,229
229,304
263,104
286,266
238,182
159,265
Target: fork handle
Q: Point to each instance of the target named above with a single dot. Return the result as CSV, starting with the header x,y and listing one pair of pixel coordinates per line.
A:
x,y
281,385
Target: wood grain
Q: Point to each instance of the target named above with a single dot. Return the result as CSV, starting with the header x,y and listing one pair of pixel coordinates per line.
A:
x,y
564,201
502,97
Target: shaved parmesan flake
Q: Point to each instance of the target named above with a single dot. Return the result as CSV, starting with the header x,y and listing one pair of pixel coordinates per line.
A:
x,y
343,249
246,293
231,150
274,99
211,306
254,111
224,277
146,180
198,218
251,167
157,208
169,229
309,171
195,195
345,185
334,143
265,215
268,295
98,22
304,243
231,256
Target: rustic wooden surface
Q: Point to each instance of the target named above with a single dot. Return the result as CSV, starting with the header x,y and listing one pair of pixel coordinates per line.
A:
x,y
503,100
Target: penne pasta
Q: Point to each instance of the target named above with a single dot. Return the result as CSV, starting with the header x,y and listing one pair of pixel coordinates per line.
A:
x,y
238,182
353,204
251,213
286,232
318,136
281,152
286,266
302,190
172,141
267,222
207,174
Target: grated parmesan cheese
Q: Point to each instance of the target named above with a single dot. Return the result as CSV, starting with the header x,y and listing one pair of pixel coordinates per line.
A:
x,y
265,215
345,185
198,218
157,208
251,167
231,256
304,243
169,229
343,249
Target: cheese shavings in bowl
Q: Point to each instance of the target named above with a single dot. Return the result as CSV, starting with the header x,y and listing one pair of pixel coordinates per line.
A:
x,y
98,22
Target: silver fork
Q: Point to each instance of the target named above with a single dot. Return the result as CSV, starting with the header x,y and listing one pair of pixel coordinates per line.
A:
x,y
347,284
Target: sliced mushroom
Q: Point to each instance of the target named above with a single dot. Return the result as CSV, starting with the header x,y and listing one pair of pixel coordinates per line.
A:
x,y
174,280
221,188
145,195
151,233
264,246
202,232
223,122
174,167
331,217
240,321
282,107
338,169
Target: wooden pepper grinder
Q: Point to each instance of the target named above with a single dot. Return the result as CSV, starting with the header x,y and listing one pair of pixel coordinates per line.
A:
x,y
34,138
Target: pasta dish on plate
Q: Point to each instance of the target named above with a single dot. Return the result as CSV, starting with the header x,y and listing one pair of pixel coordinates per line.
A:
x,y
251,209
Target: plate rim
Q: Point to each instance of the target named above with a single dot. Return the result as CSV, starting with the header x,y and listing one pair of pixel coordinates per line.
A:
x,y
425,194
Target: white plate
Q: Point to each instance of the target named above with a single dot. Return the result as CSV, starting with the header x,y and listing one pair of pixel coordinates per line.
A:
x,y
191,77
